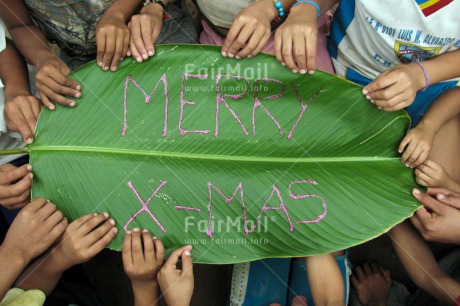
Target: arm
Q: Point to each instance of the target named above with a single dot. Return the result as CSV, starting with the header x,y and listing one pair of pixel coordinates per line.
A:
x,y
419,140
298,35
32,232
21,107
325,279
113,34
142,259
52,80
82,240
421,265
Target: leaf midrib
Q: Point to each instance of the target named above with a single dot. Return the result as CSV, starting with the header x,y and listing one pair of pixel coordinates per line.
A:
x,y
214,157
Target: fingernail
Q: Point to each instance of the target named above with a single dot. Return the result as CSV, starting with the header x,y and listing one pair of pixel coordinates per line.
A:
x,y
145,230
407,165
78,87
122,58
139,59
303,71
29,167
379,107
51,107
237,57
311,71
106,214
31,175
128,233
187,253
365,92
373,102
145,56
416,192
95,214
151,53
249,56
99,64
114,68
111,221
115,230
368,97
29,140
224,53
441,196
106,68
78,95
283,63
136,230
72,104
293,70
231,55
154,238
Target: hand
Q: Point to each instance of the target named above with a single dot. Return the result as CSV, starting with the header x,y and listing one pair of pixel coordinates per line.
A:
x,y
430,174
298,35
112,40
145,29
15,195
372,284
251,27
52,83
395,88
177,285
83,239
21,115
438,220
417,144
35,229
142,267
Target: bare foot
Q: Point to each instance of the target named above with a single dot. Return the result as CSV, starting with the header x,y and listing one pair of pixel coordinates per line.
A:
x,y
431,174
372,284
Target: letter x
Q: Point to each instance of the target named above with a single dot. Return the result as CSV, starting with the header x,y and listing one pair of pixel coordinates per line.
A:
x,y
145,207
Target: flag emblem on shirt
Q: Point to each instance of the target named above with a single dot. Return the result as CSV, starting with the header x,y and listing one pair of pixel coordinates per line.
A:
x,y
429,7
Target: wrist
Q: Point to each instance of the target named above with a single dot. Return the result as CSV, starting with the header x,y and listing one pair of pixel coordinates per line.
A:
x,y
423,77
269,7
305,10
17,92
153,9
58,260
14,256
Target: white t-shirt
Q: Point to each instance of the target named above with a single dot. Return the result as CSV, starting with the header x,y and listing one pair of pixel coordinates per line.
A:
x,y
371,36
8,140
222,12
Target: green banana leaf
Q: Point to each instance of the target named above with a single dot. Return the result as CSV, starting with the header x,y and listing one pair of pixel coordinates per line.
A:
x,y
243,159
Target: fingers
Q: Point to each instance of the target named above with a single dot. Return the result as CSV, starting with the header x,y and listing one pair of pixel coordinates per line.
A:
x,y
104,241
47,210
100,43
286,51
174,257
80,221
354,280
159,250
242,38
367,268
14,173
406,140
428,201
230,40
91,224
359,273
21,114
255,44
136,247
126,251
449,199
149,250
277,46
187,264
36,204
300,47
59,229
99,232
54,219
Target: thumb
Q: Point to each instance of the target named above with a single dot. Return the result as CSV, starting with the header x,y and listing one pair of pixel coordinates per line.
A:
x,y
187,264
449,199
429,202
174,257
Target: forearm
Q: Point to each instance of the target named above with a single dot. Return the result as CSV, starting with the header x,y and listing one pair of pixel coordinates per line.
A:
x,y
28,38
122,9
44,274
443,67
325,291
445,108
11,266
421,265
146,295
13,72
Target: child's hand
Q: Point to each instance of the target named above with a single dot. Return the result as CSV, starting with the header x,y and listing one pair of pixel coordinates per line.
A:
x,y
145,29
177,285
430,174
15,195
252,28
372,283
35,229
395,88
298,35
142,266
21,115
83,239
417,145
52,83
112,40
